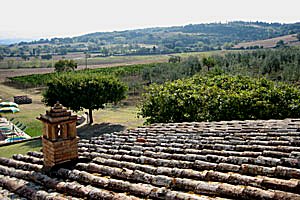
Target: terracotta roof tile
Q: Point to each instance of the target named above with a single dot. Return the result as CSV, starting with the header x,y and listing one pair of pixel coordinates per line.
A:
x,y
198,160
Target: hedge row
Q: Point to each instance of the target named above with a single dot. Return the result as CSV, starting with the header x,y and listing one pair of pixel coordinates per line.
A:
x,y
220,97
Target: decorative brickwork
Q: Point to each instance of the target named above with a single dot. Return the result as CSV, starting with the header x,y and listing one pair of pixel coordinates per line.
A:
x,y
59,136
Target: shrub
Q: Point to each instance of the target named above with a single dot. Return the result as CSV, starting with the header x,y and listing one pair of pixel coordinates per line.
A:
x,y
220,97
174,59
65,65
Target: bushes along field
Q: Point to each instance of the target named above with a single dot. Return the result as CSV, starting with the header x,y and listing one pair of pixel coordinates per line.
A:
x,y
220,97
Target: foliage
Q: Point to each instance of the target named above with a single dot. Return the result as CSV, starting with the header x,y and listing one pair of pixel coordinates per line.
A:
x,y
25,57
298,36
46,57
65,65
208,62
280,43
193,63
222,97
84,91
276,64
136,76
174,59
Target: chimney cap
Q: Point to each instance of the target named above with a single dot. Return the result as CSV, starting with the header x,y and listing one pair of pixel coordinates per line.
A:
x,y
58,105
57,113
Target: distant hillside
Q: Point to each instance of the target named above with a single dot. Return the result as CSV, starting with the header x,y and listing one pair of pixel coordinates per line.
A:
x,y
189,38
9,41
289,40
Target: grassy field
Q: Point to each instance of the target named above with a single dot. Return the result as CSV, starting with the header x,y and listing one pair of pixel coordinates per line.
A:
x,y
125,115
28,112
21,148
107,120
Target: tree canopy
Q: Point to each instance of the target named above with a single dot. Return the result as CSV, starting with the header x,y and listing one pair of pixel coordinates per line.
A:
x,y
298,36
209,62
65,65
84,91
174,59
221,97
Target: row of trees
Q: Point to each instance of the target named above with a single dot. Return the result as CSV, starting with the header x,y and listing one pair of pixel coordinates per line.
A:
x,y
277,64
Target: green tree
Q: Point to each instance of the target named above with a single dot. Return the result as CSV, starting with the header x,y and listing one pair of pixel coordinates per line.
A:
x,y
227,45
208,62
193,63
298,36
174,59
46,57
84,91
280,43
25,57
221,97
65,65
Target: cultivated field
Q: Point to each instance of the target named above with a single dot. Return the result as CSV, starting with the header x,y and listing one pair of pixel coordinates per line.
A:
x,y
17,63
290,40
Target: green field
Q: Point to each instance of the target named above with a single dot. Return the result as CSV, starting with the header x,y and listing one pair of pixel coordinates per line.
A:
x,y
107,120
20,148
28,112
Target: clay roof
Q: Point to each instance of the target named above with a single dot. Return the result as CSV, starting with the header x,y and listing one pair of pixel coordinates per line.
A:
x,y
216,160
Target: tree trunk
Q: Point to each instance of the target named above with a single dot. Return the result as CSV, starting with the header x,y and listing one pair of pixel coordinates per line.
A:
x,y
91,116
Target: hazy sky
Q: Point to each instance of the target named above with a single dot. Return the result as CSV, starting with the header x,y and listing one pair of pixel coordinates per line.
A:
x,y
49,18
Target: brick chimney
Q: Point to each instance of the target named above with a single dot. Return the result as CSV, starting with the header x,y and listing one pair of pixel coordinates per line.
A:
x,y
59,136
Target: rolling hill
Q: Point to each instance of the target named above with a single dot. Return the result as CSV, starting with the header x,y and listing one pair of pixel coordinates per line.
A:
x,y
159,40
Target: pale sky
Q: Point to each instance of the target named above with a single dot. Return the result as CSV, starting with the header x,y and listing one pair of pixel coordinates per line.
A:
x,y
62,18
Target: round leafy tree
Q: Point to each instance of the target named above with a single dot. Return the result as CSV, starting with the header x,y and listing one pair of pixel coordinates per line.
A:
x,y
220,98
84,91
65,65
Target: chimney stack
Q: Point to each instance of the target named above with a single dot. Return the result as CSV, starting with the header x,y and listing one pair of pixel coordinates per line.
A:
x,y
60,141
